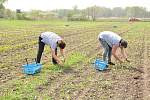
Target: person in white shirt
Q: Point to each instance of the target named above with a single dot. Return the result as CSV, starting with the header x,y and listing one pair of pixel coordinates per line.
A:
x,y
54,41
111,41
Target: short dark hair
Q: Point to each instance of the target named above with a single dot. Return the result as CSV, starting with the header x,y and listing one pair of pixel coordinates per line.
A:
x,y
61,44
123,43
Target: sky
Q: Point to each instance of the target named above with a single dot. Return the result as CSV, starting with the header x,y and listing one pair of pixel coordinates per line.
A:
x,y
27,5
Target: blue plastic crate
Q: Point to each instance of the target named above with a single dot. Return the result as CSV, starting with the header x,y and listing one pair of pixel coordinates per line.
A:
x,y
32,68
100,64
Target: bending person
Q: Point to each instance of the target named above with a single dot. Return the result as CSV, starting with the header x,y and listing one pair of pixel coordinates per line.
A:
x,y
54,41
111,41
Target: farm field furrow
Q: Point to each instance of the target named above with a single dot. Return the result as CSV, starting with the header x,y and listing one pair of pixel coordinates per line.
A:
x,y
78,80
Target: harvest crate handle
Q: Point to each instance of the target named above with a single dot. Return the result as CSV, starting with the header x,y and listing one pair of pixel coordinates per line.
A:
x,y
26,60
35,60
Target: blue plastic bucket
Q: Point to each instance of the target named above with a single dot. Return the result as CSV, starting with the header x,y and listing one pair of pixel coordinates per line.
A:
x,y
100,64
32,68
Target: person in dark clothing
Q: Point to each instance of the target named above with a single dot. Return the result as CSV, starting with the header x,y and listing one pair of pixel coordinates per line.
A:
x,y
54,41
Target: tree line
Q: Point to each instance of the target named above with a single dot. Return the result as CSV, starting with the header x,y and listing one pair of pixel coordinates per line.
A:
x,y
96,12
89,13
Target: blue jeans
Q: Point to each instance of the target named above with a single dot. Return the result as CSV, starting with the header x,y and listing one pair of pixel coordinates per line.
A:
x,y
107,50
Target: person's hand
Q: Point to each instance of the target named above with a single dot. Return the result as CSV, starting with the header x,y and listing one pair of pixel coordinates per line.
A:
x,y
127,60
64,59
120,61
60,63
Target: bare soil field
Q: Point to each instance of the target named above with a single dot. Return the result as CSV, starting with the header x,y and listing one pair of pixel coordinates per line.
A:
x,y
78,80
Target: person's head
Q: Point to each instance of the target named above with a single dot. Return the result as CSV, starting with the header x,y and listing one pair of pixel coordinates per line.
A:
x,y
123,43
61,44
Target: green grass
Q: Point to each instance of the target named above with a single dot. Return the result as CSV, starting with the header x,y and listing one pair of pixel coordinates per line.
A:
x,y
72,59
5,48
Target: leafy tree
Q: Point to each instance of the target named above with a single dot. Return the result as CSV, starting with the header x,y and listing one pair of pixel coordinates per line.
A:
x,y
2,8
136,11
75,9
1,4
118,12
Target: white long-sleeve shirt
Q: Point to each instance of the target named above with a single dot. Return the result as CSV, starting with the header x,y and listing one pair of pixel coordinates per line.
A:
x,y
50,38
110,37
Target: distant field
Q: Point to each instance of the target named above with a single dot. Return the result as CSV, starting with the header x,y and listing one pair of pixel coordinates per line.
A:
x,y
78,80
114,19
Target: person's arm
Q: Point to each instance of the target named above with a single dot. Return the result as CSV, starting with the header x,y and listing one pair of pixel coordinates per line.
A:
x,y
123,52
62,53
114,49
56,57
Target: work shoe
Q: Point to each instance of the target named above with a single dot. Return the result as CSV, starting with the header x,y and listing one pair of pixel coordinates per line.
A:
x,y
110,63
